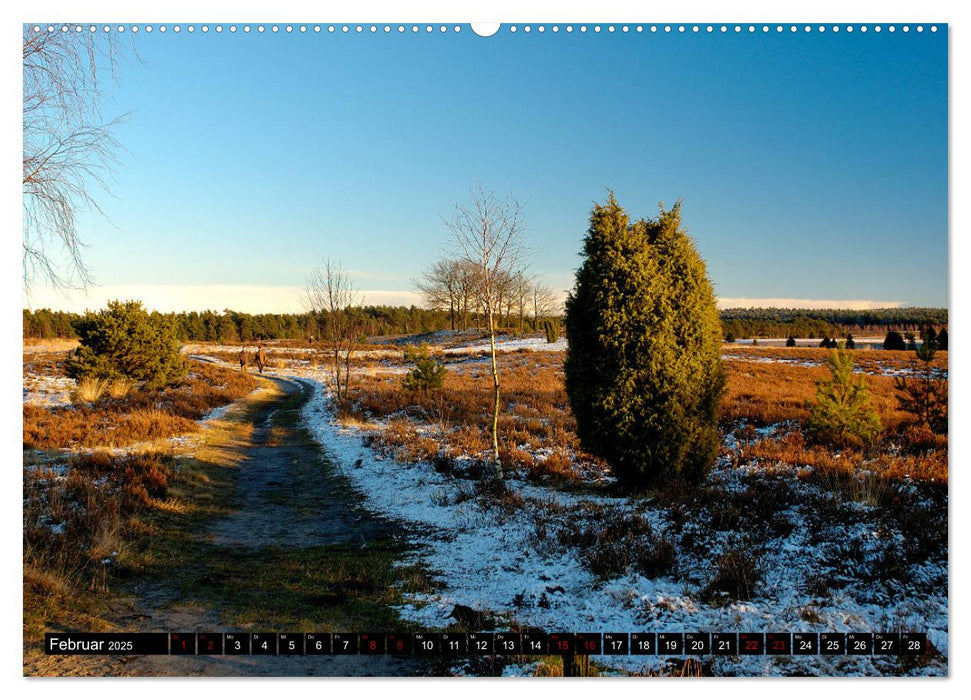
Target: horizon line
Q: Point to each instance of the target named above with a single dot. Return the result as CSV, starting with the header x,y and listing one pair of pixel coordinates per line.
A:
x,y
280,299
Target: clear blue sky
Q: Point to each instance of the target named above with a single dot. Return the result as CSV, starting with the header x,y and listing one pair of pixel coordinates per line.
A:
x,y
813,166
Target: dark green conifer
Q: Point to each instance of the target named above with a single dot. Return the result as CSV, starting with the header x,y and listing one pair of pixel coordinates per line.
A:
x,y
842,414
894,341
124,340
428,373
643,369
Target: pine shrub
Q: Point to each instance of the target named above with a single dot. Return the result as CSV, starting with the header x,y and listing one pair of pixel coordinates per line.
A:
x,y
841,414
925,395
942,340
124,341
428,373
894,341
643,370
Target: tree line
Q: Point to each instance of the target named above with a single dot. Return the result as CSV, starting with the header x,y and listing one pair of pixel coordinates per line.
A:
x,y
234,326
827,323
522,304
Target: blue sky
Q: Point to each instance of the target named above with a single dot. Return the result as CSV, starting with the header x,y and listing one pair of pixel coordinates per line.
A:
x,y
812,166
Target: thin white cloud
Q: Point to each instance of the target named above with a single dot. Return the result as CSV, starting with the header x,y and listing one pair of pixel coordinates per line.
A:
x,y
288,299
783,303
163,297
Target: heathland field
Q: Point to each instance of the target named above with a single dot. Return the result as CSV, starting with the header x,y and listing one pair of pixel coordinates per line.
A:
x,y
783,535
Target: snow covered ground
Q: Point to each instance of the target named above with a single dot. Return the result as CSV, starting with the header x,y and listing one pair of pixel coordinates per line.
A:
x,y
882,370
510,345
493,558
47,391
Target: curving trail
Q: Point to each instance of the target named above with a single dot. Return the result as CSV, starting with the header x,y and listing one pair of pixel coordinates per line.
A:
x,y
289,502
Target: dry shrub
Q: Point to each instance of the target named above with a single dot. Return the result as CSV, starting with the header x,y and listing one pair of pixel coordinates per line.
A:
x,y
654,556
514,458
736,576
612,544
921,440
607,560
405,442
557,465
792,449
139,477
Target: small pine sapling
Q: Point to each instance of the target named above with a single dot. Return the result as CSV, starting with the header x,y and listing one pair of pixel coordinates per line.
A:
x,y
841,414
925,394
428,373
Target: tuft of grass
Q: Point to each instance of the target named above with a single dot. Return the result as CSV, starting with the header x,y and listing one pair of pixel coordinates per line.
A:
x,y
119,388
735,578
90,389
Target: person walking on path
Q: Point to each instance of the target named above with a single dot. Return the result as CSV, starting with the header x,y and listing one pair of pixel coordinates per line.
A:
x,y
260,359
242,359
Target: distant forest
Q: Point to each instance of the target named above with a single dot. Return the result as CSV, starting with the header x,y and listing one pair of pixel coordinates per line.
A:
x,y
233,326
827,323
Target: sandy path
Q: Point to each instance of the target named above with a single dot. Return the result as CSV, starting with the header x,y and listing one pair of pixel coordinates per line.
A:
x,y
289,495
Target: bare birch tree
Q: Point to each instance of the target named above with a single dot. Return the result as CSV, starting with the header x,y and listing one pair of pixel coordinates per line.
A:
x,y
488,233
68,148
329,292
544,303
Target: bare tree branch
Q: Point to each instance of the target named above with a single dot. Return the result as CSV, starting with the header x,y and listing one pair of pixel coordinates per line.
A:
x,y
487,234
329,293
68,148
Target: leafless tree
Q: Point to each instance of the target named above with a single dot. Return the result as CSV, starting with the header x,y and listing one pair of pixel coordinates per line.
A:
x,y
488,233
439,287
468,286
544,302
330,293
522,290
68,148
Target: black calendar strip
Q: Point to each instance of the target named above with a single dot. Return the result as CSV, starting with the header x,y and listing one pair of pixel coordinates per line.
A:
x,y
489,643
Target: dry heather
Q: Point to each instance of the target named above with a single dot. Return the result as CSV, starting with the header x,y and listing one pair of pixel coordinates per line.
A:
x,y
767,393
139,415
537,429
78,519
866,360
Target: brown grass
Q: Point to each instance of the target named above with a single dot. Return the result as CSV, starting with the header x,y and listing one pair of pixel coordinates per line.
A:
x,y
141,415
76,526
537,429
866,360
773,392
49,345
457,418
